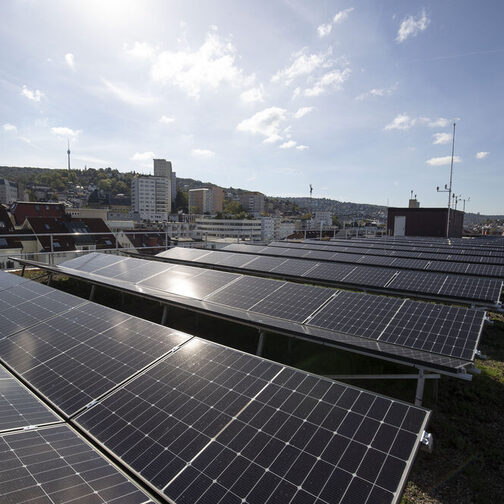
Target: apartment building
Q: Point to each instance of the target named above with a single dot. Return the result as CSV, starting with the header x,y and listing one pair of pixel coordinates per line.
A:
x,y
8,191
206,200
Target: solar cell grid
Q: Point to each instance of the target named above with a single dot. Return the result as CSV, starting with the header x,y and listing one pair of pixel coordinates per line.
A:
x,y
19,408
232,260
210,424
54,465
72,359
293,301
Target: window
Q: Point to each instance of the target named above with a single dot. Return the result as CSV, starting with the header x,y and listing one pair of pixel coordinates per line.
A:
x,y
47,226
56,245
108,242
3,242
37,208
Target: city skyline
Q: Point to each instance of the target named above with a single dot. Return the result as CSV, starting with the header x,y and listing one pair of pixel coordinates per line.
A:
x,y
357,99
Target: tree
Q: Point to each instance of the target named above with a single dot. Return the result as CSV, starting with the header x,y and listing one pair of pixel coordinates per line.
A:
x,y
232,207
335,221
182,200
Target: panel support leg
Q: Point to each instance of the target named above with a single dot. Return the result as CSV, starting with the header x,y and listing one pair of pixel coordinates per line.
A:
x,y
435,390
165,315
92,293
23,270
420,388
260,343
49,279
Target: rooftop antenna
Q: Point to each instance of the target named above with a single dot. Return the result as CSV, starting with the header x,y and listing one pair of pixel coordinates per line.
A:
x,y
311,203
68,153
448,188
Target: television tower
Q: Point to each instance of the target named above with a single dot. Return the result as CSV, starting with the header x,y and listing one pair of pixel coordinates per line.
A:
x,y
68,153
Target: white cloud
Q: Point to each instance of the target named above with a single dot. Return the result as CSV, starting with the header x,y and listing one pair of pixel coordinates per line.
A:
x,y
9,127
333,79
302,64
442,161
267,122
442,138
288,145
440,122
302,147
140,50
70,60
482,155
142,156
296,93
34,95
401,122
63,131
342,15
126,95
202,153
377,92
166,119
253,95
208,67
302,112
324,29
91,159
411,27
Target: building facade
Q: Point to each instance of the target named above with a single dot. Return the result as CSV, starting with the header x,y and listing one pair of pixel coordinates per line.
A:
x,y
252,202
8,191
151,198
206,200
229,228
424,222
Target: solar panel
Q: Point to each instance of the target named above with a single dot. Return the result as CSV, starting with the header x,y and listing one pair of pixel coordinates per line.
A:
x,y
190,282
245,292
372,277
355,313
19,408
330,272
263,263
55,465
184,253
20,312
92,262
74,358
210,424
9,280
293,301
294,267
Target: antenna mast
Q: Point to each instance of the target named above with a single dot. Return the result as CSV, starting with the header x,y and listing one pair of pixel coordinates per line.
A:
x,y
68,153
311,202
450,186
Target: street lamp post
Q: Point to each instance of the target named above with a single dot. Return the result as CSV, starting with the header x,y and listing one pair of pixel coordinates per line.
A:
x,y
448,188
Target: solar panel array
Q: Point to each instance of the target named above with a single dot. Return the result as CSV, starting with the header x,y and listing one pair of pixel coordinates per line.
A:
x,y
292,308
363,248
474,290
200,423
366,257
211,424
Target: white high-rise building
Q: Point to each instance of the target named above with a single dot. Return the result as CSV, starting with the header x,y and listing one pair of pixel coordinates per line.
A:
x,y
8,191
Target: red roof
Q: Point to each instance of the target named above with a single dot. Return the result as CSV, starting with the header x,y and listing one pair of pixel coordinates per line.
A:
x,y
23,209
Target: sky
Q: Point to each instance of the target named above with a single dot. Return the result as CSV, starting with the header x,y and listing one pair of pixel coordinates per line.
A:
x,y
356,98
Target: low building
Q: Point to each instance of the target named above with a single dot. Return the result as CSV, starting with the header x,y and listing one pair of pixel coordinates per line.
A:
x,y
229,228
424,222
87,213
324,218
8,191
21,210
